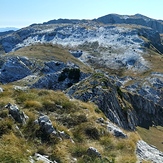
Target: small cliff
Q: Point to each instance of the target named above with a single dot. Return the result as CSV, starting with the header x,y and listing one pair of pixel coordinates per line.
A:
x,y
125,109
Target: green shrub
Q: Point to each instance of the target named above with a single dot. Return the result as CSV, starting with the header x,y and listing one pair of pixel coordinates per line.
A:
x,y
78,151
73,73
92,132
97,110
3,113
120,93
5,126
48,105
73,120
62,77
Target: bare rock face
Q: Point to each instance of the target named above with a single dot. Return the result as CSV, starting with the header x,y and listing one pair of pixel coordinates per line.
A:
x,y
147,152
93,152
148,113
9,42
103,92
59,76
149,88
112,128
40,158
125,109
48,74
14,68
18,116
115,130
46,125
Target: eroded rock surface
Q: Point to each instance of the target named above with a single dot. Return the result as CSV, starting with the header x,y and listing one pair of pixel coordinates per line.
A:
x,y
148,152
18,115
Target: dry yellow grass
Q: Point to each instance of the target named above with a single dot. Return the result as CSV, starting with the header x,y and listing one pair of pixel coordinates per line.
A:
x,y
33,104
48,52
80,125
14,149
152,136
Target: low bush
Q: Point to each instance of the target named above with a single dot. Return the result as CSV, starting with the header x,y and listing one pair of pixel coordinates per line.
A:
x,y
73,120
92,132
5,126
78,151
3,113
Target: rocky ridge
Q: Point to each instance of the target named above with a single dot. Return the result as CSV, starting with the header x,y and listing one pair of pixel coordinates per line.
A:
x,y
125,109
137,19
111,49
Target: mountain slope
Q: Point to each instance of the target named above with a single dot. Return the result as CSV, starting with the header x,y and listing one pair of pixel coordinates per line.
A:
x,y
137,19
8,29
115,66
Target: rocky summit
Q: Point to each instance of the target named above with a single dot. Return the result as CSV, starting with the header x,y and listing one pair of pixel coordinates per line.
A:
x,y
82,91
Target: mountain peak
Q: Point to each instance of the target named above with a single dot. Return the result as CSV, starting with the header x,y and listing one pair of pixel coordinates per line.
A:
x,y
136,19
8,29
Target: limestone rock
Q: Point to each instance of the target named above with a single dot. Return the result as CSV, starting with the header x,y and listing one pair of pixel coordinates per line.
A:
x,y
147,112
59,76
53,66
1,90
21,88
93,152
147,152
46,125
14,68
18,116
41,158
115,130
103,92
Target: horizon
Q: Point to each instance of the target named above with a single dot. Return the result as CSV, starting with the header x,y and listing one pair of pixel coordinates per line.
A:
x,y
17,27
17,14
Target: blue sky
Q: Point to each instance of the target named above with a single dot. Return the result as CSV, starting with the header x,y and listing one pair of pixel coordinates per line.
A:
x,y
21,13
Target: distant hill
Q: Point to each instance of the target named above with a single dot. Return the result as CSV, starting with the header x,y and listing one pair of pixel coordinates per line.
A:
x,y
136,19
8,29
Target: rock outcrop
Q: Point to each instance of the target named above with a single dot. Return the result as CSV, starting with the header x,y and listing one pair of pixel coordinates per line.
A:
x,y
112,128
93,152
52,74
59,76
148,153
100,90
15,68
148,113
149,88
125,109
46,125
75,33
116,131
18,115
40,158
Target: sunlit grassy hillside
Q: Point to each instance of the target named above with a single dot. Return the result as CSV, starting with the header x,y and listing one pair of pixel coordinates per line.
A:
x,y
48,52
77,119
